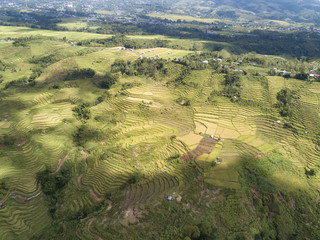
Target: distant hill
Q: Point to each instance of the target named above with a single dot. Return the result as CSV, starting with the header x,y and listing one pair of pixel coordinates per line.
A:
x,y
246,10
294,10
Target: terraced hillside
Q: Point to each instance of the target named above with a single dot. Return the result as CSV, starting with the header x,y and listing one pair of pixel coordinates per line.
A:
x,y
110,155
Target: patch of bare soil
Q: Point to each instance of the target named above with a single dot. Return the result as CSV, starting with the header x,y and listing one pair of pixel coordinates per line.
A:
x,y
5,198
260,155
256,192
131,215
85,155
20,143
206,145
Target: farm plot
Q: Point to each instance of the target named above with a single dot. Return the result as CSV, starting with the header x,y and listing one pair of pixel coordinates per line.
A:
x,y
205,146
24,221
105,176
225,175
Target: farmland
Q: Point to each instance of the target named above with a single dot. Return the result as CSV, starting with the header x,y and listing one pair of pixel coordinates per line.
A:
x,y
97,155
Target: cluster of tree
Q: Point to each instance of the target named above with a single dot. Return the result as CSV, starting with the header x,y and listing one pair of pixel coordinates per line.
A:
x,y
122,40
82,73
3,188
3,66
44,61
42,20
233,85
183,101
285,102
180,79
311,172
8,139
83,134
295,44
144,66
82,112
134,178
193,64
23,81
212,97
129,85
23,42
203,230
52,185
302,76
107,80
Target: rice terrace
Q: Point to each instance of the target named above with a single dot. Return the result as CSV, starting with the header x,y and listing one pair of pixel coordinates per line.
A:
x,y
115,129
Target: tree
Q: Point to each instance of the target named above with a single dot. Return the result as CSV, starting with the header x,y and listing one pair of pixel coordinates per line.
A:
x,y
302,76
232,89
285,101
205,228
82,112
191,231
108,80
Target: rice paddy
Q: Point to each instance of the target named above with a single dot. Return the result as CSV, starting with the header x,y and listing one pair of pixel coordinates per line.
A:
x,y
142,130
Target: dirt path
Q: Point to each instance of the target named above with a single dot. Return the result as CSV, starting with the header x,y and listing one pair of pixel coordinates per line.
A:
x,y
3,200
95,196
85,155
62,161
93,233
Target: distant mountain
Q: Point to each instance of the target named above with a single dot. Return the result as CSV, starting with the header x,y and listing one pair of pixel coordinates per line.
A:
x,y
246,10
294,10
